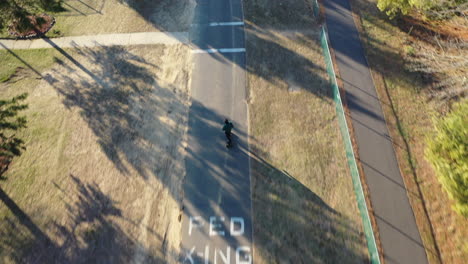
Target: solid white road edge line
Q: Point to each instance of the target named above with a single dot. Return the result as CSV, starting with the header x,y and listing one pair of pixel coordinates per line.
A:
x,y
238,23
233,50
220,24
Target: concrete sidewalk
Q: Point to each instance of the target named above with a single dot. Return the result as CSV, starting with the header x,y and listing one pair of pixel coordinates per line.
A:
x,y
125,39
399,234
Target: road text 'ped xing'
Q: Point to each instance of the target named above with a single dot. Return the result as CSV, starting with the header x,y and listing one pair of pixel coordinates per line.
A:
x,y
216,227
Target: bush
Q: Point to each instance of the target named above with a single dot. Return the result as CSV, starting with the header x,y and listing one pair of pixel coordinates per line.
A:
x,y
448,153
394,7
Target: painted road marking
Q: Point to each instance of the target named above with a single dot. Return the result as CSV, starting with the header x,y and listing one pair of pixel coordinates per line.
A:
x,y
216,24
218,227
230,50
220,24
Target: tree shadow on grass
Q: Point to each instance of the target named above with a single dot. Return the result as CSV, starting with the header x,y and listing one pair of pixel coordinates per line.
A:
x,y
384,59
132,113
90,236
166,15
105,100
286,65
294,225
121,99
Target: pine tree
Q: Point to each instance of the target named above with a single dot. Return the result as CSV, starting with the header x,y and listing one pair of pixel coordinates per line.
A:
x,y
448,153
10,123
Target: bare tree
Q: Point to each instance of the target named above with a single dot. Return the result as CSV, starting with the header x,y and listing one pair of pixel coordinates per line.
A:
x,y
443,9
448,63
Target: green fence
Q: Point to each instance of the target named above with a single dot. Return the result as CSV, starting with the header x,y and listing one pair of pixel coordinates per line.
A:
x,y
371,245
316,8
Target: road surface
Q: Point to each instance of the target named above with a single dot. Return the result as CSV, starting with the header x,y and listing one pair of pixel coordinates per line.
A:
x,y
216,224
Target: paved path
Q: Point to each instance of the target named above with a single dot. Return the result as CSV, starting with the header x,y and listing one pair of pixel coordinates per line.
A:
x,y
399,234
216,225
124,39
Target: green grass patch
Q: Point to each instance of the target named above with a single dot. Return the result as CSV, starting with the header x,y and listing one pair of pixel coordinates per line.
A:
x,y
35,60
6,74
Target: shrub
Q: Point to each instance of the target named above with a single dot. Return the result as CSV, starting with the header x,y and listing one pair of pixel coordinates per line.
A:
x,y
394,7
447,151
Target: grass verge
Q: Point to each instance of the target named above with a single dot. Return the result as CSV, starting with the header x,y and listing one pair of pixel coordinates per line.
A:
x,y
12,65
408,113
303,201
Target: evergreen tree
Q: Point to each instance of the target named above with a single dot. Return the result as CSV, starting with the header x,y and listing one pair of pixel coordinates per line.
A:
x,y
448,153
10,123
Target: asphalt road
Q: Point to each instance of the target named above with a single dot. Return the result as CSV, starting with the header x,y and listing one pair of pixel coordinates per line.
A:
x,y
399,234
216,224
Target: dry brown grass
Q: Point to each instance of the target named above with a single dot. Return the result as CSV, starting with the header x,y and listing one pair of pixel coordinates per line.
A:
x,y
408,113
100,180
303,201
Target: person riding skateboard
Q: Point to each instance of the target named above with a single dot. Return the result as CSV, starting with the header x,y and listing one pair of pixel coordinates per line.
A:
x,y
228,126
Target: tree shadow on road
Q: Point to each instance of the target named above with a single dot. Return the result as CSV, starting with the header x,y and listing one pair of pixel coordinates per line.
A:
x,y
291,224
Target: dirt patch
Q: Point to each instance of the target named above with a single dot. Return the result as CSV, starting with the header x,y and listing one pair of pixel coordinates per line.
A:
x,y
31,26
426,30
101,178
